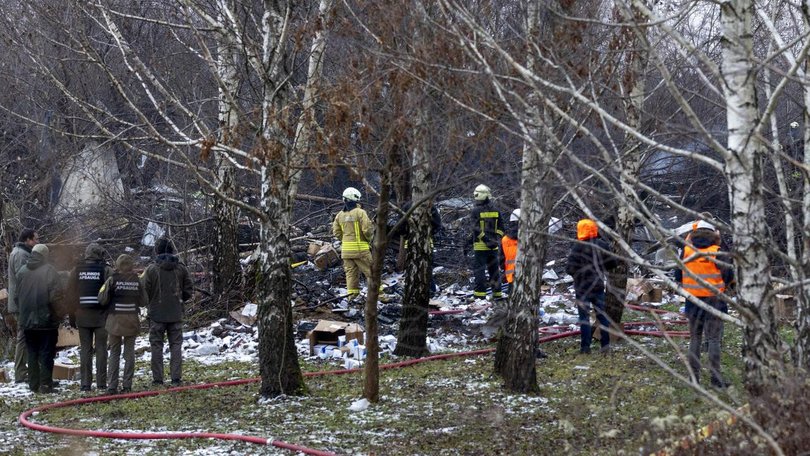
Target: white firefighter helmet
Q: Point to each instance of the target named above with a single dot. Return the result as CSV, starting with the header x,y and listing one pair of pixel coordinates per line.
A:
x,y
515,216
351,194
481,193
702,225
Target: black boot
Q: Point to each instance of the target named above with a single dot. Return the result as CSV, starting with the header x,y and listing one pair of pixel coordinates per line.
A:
x,y
719,383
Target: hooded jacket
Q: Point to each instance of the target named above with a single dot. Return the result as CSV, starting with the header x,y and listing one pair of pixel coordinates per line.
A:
x,y
589,261
39,294
93,273
167,284
16,260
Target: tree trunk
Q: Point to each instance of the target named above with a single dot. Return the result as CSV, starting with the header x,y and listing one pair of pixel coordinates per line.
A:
x,y
801,351
515,355
278,357
632,81
761,342
225,251
412,337
371,372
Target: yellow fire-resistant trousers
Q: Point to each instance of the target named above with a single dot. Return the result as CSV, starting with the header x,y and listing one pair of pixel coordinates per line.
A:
x,y
353,267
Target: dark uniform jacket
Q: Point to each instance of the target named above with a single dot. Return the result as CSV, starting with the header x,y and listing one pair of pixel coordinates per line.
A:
x,y
123,296
587,264
85,282
39,294
484,227
167,284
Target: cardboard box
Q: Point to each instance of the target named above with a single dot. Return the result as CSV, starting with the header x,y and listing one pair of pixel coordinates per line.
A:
x,y
643,290
327,332
66,371
247,315
326,257
314,247
68,337
784,308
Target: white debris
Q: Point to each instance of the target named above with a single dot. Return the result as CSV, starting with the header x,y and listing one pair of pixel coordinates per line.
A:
x,y
359,405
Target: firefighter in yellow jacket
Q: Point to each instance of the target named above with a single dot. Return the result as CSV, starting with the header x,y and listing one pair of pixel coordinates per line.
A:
x,y
353,227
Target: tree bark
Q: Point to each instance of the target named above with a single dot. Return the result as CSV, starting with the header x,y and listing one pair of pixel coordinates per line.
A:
x,y
762,349
371,371
515,355
412,336
632,83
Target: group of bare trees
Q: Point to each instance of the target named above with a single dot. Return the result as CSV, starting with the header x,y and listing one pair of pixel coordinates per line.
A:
x,y
571,102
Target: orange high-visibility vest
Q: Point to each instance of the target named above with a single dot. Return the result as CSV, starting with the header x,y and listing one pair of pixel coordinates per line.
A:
x,y
510,247
705,268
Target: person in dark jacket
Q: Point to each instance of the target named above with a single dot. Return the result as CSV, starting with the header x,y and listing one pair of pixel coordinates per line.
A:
x,y
123,295
485,235
85,282
39,297
700,257
16,260
587,264
167,285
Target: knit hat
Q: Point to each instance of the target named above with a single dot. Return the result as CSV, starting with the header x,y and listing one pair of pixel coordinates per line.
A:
x,y
41,249
124,263
164,245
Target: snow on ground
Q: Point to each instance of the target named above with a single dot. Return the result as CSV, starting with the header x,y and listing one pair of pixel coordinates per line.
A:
x,y
226,340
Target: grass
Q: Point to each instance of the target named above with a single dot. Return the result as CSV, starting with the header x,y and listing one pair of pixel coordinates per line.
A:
x,y
620,404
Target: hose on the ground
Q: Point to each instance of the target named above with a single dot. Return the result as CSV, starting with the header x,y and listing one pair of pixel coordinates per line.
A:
x,y
25,421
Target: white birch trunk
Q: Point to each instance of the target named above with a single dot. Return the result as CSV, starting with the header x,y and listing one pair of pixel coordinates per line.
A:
x,y
761,346
225,251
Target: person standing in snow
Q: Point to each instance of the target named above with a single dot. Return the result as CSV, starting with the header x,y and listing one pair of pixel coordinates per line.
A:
x,y
85,282
700,264
167,285
587,264
16,260
123,295
39,296
485,233
354,229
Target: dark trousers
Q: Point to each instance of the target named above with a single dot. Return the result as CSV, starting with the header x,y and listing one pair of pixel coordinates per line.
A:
x,y
113,367
174,331
41,344
701,321
584,310
486,262
20,354
86,346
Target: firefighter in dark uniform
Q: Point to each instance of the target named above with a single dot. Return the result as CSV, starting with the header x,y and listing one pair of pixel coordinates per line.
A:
x,y
85,283
485,237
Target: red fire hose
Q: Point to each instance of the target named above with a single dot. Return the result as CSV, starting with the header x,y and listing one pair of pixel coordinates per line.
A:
x,y
24,417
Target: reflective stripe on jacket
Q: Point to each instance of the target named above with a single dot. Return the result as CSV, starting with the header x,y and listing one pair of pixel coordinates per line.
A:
x,y
510,247
487,222
703,266
354,230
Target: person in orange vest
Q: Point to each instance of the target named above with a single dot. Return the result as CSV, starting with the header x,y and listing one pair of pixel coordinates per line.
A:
x,y
587,263
509,247
700,264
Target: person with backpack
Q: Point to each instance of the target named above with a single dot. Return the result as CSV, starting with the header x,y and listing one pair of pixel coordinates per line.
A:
x,y
123,296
